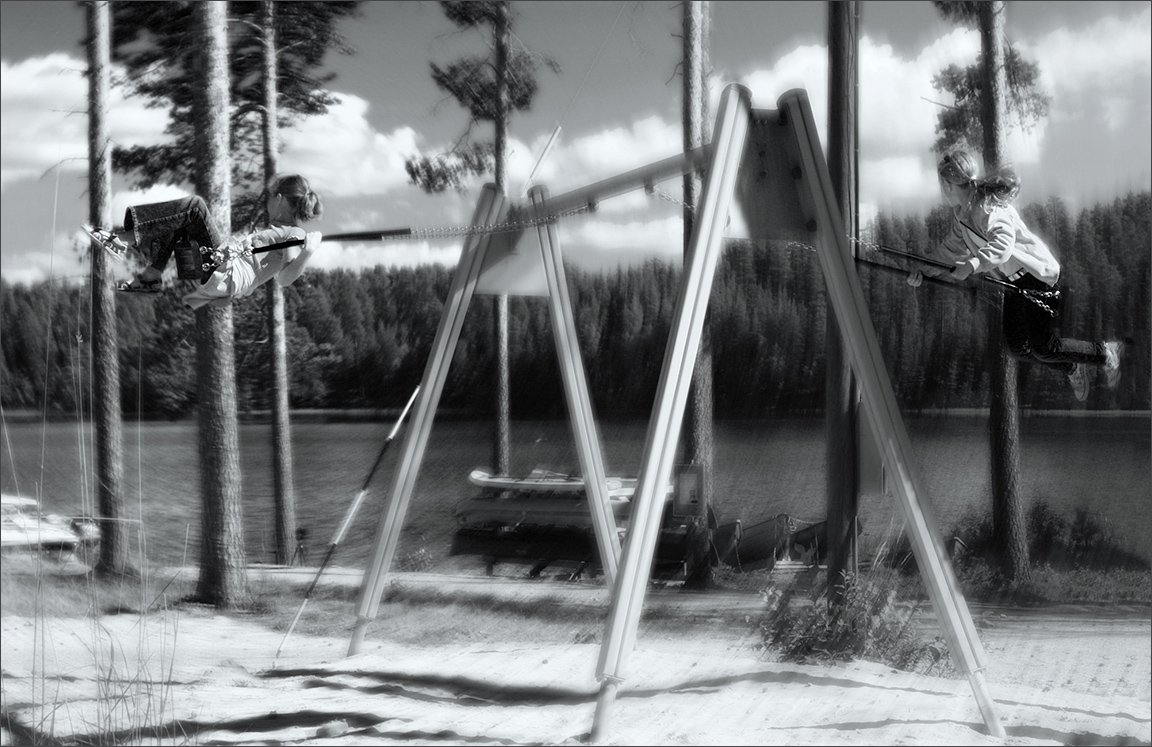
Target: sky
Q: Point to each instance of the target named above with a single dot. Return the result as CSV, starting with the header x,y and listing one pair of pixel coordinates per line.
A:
x,y
616,101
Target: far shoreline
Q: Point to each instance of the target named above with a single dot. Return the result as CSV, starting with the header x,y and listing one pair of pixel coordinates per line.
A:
x,y
369,414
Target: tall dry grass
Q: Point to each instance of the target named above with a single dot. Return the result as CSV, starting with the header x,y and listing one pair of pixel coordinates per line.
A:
x,y
118,691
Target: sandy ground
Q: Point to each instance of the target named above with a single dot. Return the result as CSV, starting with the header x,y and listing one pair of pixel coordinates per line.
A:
x,y
1058,676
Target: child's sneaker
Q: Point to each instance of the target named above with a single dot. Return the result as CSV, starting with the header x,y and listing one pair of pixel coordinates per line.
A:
x,y
110,241
139,285
1079,380
1112,365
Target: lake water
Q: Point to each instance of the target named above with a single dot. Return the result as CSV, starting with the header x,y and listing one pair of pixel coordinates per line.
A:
x,y
762,468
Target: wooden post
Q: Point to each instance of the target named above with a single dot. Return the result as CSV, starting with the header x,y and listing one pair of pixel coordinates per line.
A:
x,y
842,454
698,437
879,399
1008,528
105,364
584,430
672,395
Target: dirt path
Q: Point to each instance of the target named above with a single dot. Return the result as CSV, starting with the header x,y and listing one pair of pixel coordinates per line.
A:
x,y
1063,676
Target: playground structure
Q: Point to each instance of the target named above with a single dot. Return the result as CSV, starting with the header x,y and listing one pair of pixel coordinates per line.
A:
x,y
766,179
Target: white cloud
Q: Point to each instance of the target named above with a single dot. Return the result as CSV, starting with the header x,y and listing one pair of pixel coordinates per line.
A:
x,y
389,254
44,102
591,158
342,154
898,179
1102,65
43,105
661,237
804,67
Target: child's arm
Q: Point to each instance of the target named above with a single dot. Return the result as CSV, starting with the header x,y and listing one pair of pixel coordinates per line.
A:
x,y
295,267
1007,247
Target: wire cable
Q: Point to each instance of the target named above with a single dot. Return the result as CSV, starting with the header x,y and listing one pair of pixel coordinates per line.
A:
x,y
588,72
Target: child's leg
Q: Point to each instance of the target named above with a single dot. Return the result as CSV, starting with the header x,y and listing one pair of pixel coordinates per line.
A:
x,y
1029,334
158,226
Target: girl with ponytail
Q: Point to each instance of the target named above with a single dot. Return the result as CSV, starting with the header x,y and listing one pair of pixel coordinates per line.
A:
x,y
184,227
987,235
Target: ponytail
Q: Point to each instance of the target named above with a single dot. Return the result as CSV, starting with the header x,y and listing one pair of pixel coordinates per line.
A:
x,y
306,204
959,167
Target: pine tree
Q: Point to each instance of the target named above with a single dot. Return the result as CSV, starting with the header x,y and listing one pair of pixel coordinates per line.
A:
x,y
105,369
223,578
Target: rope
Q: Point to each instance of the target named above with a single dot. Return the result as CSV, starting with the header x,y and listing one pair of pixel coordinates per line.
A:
x,y
8,444
1043,299
48,332
594,59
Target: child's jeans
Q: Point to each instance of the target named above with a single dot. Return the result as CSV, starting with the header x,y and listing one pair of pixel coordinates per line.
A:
x,y
1028,331
163,227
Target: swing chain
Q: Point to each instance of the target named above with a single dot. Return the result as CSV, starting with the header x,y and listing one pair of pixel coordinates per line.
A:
x,y
241,246
1044,299
661,194
490,228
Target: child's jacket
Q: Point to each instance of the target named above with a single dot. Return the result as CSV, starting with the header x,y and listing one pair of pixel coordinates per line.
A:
x,y
238,276
995,239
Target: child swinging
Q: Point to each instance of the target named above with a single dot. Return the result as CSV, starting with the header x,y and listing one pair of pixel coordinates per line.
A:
x,y
988,236
184,227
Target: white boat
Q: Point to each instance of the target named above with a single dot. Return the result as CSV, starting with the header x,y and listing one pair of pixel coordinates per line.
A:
x,y
23,528
541,498
542,480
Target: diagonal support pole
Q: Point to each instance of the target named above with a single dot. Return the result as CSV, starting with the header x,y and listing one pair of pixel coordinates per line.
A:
x,y
488,209
576,391
349,515
672,396
878,398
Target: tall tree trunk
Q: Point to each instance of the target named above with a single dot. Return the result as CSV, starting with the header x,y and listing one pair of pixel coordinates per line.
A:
x,y
1008,529
223,580
698,440
842,454
501,451
274,304
105,366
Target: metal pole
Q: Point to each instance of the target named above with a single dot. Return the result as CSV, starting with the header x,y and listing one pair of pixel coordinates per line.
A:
x,y
672,395
576,391
346,523
488,208
879,401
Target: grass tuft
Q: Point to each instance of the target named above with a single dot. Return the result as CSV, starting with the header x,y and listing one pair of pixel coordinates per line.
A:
x,y
861,617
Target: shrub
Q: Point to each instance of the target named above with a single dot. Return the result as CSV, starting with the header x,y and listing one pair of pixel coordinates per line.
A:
x,y
1080,558
868,623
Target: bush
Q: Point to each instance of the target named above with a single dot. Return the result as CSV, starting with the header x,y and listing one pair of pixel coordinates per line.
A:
x,y
1080,558
869,624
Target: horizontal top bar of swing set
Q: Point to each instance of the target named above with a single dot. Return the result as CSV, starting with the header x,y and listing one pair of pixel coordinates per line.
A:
x,y
591,195
588,196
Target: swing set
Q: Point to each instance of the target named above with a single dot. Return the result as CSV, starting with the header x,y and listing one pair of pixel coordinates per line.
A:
x,y
765,179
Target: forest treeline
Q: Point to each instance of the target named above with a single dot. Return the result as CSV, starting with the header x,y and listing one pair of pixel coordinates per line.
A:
x,y
361,339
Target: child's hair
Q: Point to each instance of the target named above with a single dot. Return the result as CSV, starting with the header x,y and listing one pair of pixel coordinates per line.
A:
x,y
306,204
959,167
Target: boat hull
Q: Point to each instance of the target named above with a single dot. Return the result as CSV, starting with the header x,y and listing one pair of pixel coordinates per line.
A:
x,y
545,518
23,529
